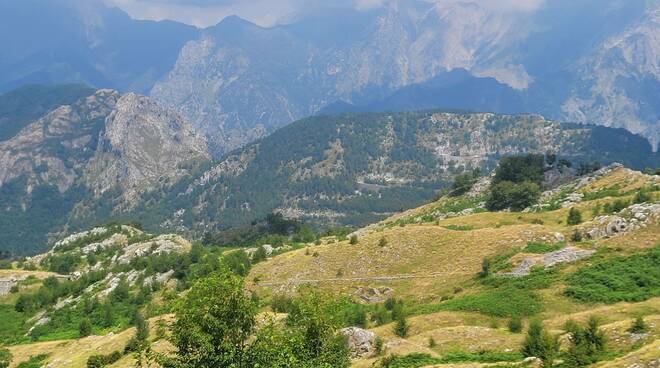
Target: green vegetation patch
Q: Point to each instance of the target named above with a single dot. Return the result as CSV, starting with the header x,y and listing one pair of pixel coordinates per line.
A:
x,y
541,248
501,302
12,324
633,279
36,361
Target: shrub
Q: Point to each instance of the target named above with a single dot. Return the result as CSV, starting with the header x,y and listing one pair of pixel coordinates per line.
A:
x,y
416,360
5,358
464,182
401,327
36,361
382,242
501,302
485,268
5,264
642,196
574,217
540,344
281,303
515,324
84,328
378,345
432,343
100,361
353,240
638,326
576,236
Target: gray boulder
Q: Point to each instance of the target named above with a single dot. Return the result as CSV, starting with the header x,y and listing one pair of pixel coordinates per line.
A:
x,y
361,343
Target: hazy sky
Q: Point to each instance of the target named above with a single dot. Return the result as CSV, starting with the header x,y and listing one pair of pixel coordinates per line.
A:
x,y
204,13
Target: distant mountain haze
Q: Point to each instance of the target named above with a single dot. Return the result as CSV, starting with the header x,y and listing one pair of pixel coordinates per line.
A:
x,y
590,61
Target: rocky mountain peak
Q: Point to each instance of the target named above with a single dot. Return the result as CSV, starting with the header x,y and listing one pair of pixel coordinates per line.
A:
x,y
143,144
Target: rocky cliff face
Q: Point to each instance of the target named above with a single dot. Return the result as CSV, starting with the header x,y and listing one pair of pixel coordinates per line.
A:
x,y
55,149
93,159
106,141
143,147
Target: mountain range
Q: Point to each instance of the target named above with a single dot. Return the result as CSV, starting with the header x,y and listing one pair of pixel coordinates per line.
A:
x,y
112,156
586,62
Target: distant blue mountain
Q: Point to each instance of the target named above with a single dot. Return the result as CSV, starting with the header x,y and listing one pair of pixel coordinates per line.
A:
x,y
64,41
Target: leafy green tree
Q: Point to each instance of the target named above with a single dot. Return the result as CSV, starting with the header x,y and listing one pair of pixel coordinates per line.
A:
x,y
85,328
574,216
540,344
316,317
213,324
507,194
5,358
464,182
519,169
586,343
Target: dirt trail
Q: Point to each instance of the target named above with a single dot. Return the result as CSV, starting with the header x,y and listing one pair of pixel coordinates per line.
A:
x,y
365,278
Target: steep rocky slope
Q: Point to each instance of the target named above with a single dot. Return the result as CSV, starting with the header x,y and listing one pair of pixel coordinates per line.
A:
x,y
96,155
25,105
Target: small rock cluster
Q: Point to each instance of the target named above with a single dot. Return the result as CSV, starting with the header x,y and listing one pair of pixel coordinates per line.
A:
x,y
565,255
8,282
632,218
75,237
159,245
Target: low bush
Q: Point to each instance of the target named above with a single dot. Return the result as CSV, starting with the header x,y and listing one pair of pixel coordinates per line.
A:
x,y
100,361
36,361
639,326
515,325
